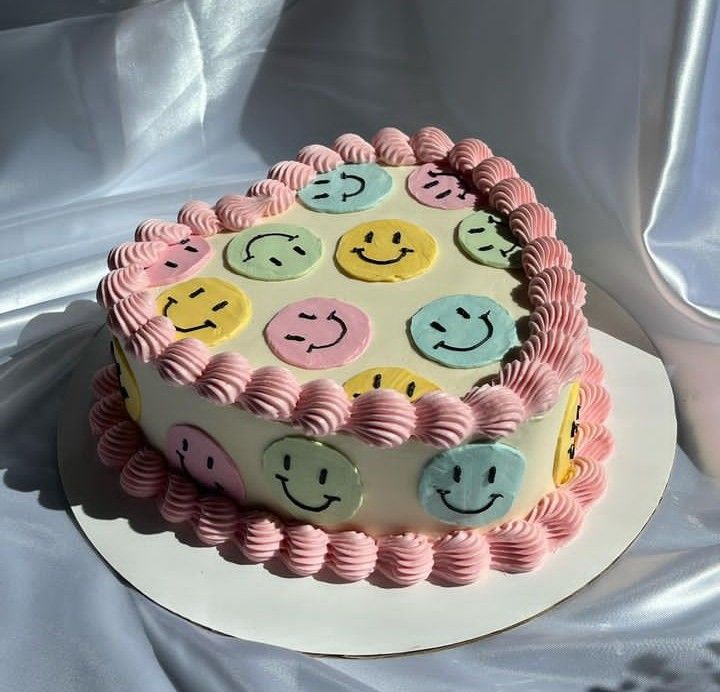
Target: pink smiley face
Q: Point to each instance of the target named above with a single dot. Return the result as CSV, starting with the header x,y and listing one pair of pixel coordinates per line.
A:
x,y
440,188
318,333
180,261
196,454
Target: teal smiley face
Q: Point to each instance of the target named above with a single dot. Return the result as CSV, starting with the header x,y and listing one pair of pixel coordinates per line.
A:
x,y
273,252
486,238
472,485
349,188
311,480
463,331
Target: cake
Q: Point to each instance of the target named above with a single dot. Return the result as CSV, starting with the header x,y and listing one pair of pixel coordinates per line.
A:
x,y
374,362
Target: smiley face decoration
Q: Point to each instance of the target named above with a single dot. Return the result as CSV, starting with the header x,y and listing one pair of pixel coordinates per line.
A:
x,y
179,261
486,238
311,480
463,331
198,456
472,485
211,310
318,333
386,250
440,188
348,188
274,252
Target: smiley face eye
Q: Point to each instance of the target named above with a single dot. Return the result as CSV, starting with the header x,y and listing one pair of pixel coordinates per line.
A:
x,y
185,445
457,473
190,248
369,237
463,313
196,292
306,316
210,462
286,462
322,477
437,326
410,389
491,474
397,237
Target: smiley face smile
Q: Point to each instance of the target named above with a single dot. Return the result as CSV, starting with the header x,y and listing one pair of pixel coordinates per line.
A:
x,y
289,238
460,349
360,252
315,347
453,508
329,499
207,324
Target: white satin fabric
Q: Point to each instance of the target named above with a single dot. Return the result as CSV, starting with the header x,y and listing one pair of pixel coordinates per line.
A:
x,y
114,111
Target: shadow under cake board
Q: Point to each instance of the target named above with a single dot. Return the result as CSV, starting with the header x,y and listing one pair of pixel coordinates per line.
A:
x,y
368,620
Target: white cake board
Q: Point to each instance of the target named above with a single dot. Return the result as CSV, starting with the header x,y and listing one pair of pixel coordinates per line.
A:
x,y
363,619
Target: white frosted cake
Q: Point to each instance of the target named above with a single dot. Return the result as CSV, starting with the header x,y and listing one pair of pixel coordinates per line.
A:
x,y
375,361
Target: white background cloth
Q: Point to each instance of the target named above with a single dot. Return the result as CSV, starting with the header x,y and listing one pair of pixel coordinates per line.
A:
x,y
114,111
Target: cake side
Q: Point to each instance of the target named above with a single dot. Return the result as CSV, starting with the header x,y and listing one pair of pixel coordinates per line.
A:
x,y
460,556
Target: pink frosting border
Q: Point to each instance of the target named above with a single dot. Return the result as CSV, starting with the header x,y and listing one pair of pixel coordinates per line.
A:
x,y
459,557
525,387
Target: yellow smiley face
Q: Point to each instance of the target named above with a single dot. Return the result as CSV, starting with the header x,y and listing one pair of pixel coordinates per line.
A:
x,y
207,309
406,382
565,448
128,385
386,250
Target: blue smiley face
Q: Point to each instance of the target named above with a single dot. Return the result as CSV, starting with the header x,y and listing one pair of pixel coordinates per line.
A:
x,y
349,188
463,331
472,485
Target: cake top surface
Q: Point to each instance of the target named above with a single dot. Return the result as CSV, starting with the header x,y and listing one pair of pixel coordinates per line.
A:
x,y
393,268
327,323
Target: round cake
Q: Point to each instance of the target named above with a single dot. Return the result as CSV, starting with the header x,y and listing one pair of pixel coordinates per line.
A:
x,y
374,361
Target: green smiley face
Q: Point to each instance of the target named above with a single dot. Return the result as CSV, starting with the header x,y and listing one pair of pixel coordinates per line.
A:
x,y
485,237
311,480
274,252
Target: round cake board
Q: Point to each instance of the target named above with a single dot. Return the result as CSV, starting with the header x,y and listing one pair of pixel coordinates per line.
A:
x,y
364,619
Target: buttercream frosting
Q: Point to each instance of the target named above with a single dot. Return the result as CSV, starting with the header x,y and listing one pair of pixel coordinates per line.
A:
x,y
557,351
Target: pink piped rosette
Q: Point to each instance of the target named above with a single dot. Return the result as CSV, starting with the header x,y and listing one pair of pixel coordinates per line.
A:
x,y
525,387
556,352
